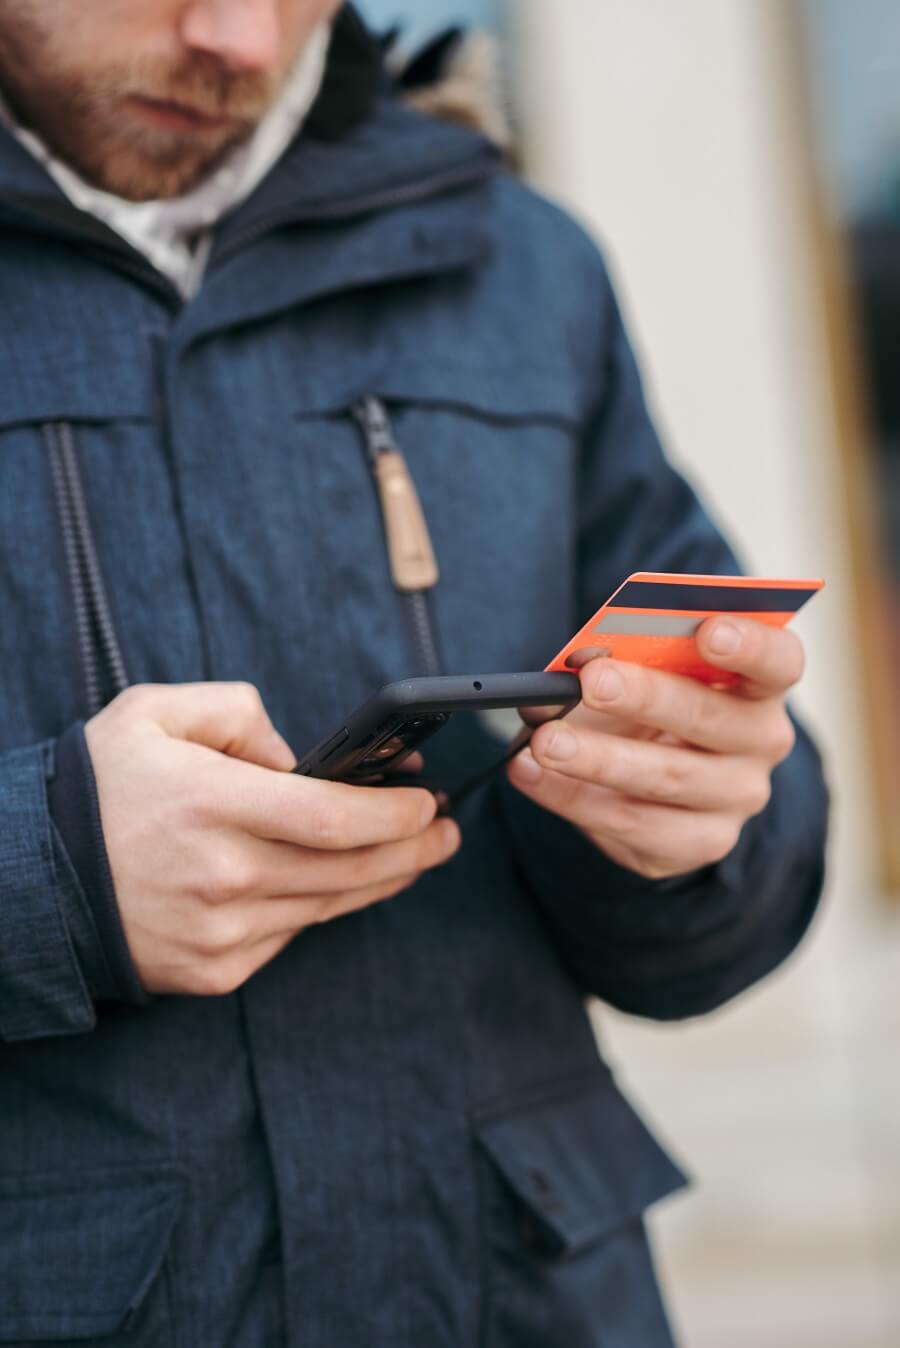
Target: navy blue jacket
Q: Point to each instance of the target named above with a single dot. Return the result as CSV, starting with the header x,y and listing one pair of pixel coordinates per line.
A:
x,y
399,1133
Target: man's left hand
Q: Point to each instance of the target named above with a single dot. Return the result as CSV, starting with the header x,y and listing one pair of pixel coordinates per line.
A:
x,y
662,772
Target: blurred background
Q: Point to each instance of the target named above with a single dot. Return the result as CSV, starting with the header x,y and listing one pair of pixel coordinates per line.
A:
x,y
739,161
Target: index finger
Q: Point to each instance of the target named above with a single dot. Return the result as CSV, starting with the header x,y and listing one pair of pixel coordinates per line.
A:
x,y
307,812
770,659
708,718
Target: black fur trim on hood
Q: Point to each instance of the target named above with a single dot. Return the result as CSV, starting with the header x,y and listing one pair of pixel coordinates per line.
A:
x,y
354,75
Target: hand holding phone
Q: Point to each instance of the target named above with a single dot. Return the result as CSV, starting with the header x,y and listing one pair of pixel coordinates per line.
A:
x,y
220,856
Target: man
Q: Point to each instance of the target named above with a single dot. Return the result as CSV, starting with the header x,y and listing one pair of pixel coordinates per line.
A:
x,y
288,1061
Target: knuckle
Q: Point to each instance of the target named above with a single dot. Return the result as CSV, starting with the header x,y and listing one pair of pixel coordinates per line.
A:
x,y
206,888
616,766
797,659
207,934
244,706
639,692
671,779
197,809
135,700
232,930
241,878
431,848
624,819
410,818
320,909
759,795
219,978
430,853
362,867
225,879
783,739
704,717
247,694
329,826
723,839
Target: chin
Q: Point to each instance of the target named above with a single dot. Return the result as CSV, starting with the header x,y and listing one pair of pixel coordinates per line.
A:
x,y
137,180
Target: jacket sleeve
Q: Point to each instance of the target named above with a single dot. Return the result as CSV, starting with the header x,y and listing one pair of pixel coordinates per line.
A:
x,y
57,956
672,948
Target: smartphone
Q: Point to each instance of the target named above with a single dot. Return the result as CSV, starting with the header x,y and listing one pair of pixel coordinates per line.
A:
x,y
400,717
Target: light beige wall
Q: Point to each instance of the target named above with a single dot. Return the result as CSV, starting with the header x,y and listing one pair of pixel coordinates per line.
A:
x,y
671,130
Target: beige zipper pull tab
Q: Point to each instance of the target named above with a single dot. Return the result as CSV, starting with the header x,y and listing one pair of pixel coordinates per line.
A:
x,y
413,563
410,550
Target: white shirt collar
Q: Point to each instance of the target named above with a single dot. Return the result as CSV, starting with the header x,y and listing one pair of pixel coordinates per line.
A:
x,y
176,235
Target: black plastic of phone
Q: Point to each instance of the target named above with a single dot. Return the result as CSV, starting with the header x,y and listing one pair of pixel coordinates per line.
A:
x,y
400,717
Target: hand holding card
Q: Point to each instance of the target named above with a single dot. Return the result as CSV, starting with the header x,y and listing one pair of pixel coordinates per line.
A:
x,y
662,771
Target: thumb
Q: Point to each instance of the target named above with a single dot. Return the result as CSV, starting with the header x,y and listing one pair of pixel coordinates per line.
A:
x,y
228,717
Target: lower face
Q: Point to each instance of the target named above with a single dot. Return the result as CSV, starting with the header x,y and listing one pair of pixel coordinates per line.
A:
x,y
120,98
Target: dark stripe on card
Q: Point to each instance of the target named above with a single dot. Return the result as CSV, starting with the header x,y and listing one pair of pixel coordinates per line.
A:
x,y
618,624
713,598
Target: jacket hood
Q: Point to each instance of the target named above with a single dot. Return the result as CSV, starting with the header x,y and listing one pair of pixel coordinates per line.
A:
x,y
455,77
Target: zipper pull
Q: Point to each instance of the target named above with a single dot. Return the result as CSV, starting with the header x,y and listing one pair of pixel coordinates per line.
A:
x,y
410,550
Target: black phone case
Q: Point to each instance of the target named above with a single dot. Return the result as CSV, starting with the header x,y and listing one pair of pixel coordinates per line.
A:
x,y
402,716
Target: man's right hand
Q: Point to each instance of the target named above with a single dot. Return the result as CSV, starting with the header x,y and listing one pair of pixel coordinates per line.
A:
x,y
219,855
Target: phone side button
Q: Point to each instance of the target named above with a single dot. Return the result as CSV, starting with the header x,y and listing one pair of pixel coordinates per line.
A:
x,y
334,744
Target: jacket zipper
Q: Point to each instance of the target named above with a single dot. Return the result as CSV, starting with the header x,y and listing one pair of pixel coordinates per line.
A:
x,y
414,568
100,654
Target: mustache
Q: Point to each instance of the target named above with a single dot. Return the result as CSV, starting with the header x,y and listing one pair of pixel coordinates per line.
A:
x,y
203,84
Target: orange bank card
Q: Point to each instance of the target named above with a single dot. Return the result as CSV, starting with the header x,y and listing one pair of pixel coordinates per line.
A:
x,y
653,617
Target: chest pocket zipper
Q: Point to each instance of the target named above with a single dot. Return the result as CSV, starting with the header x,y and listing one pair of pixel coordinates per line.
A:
x,y
414,568
102,663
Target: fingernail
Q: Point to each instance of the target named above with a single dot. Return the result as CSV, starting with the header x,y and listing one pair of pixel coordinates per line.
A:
x,y
527,768
560,745
724,639
608,686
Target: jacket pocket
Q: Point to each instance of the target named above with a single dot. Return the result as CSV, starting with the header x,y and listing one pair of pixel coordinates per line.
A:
x,y
82,1257
567,1182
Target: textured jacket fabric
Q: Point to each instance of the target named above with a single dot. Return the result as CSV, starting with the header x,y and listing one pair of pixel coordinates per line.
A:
x,y
399,1133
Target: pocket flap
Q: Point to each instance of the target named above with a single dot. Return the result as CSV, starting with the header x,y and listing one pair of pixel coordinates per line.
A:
x,y
497,392
582,1164
78,1253
63,392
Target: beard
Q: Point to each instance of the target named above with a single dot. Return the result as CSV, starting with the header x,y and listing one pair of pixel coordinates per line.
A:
x,y
88,119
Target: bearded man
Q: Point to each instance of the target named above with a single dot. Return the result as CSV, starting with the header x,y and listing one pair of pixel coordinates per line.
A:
x,y
288,1061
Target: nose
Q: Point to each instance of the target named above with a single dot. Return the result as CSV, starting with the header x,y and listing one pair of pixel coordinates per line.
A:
x,y
244,35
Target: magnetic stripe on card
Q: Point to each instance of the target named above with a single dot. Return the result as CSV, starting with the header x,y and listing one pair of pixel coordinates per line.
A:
x,y
711,598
